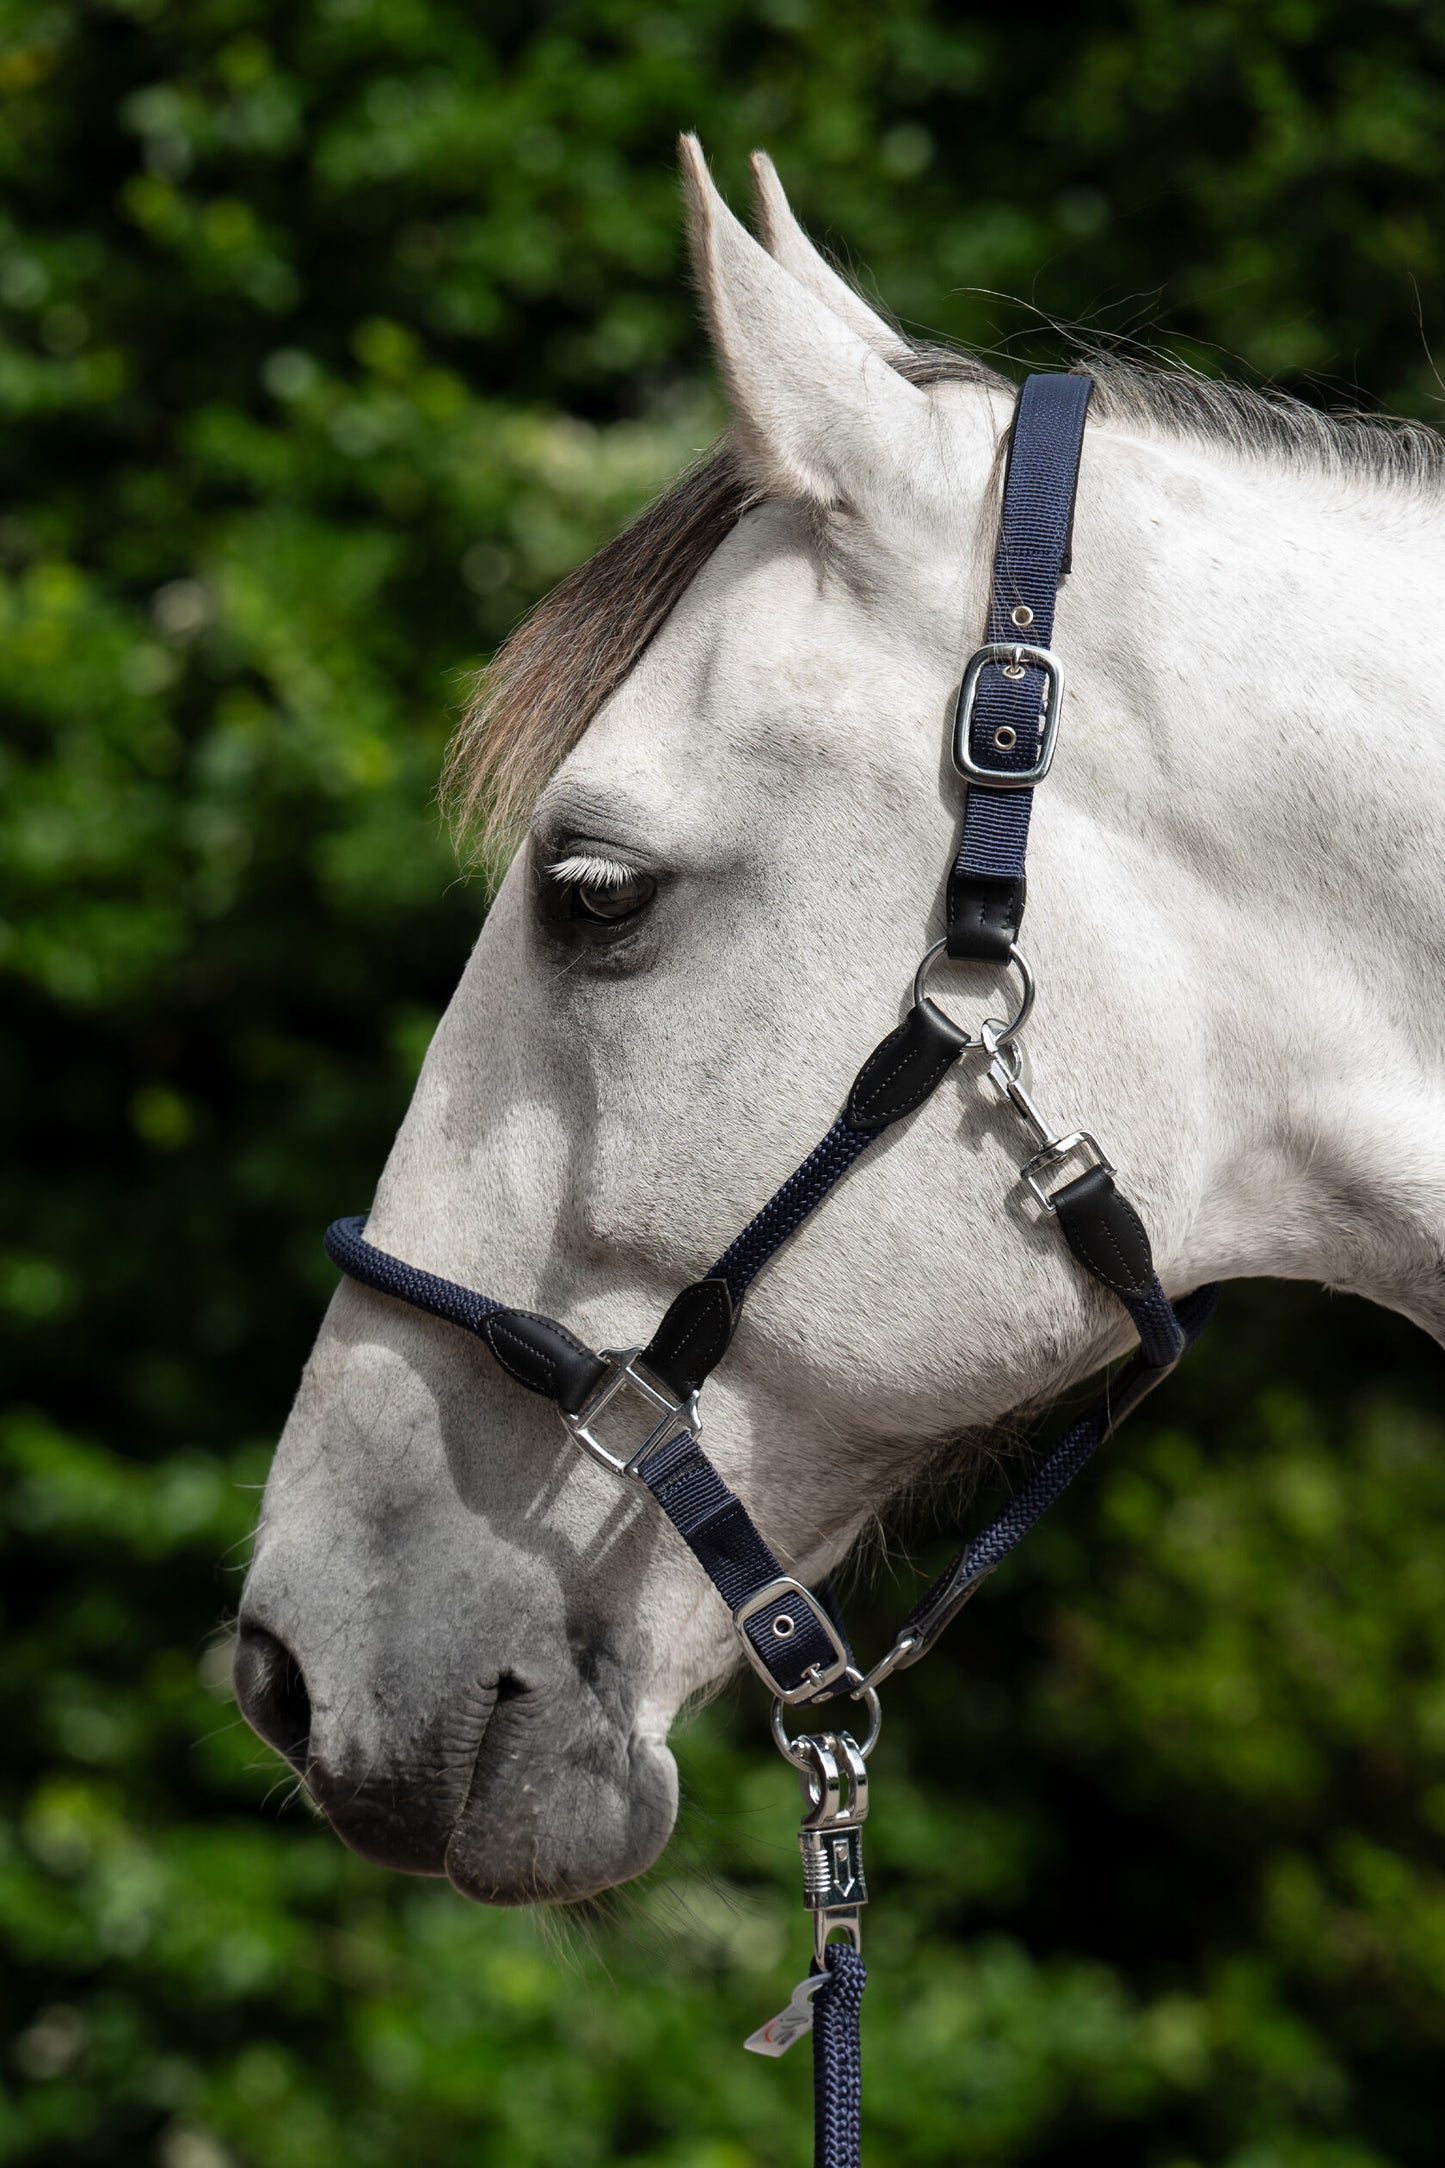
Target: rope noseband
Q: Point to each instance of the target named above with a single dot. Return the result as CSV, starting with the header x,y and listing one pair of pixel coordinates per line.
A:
x,y
1005,731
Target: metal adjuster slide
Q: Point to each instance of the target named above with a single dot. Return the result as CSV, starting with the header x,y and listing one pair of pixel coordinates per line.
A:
x,y
669,1415
784,1627
1016,657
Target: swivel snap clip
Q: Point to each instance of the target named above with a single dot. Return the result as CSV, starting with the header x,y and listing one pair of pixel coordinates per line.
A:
x,y
1005,1072
834,1777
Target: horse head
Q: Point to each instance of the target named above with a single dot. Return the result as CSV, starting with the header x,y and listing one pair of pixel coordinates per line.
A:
x,y
728,738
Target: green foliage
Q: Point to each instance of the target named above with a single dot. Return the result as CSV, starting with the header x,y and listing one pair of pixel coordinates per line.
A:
x,y
330,335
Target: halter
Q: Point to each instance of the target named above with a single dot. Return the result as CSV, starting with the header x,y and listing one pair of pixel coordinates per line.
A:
x,y
635,1410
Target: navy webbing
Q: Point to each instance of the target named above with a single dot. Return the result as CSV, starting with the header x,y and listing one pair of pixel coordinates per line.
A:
x,y
1031,558
717,1528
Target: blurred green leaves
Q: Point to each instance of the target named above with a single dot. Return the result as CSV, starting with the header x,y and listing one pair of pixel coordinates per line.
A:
x,y
330,336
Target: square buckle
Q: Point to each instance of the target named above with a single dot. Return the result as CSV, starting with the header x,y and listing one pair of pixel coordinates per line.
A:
x,y
819,1675
1019,657
625,1374
1057,1150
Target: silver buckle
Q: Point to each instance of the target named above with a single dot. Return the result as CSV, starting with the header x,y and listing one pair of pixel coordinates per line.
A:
x,y
819,1675
1019,657
670,1416
1061,1148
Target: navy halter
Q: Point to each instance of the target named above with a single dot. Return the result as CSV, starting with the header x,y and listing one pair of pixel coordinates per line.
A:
x,y
1005,732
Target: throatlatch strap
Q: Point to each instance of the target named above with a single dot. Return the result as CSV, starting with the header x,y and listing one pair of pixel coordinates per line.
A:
x,y
946,1596
985,901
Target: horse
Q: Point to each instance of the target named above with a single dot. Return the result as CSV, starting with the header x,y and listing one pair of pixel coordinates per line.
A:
x,y
717,755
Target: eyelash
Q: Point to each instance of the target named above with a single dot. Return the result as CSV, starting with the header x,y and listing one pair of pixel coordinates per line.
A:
x,y
581,868
604,891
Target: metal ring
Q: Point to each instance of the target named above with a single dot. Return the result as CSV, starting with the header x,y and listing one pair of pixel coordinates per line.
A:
x,y
1007,1029
790,1749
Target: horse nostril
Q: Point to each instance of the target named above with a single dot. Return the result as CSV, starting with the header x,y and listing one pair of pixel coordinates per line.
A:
x,y
271,1689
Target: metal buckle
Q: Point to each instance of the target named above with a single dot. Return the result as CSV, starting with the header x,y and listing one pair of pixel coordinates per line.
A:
x,y
1060,1148
1019,657
819,1675
625,1373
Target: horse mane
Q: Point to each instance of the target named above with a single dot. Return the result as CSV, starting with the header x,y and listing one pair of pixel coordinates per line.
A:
x,y
532,703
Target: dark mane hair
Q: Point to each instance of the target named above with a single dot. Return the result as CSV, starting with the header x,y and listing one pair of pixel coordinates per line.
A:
x,y
531,705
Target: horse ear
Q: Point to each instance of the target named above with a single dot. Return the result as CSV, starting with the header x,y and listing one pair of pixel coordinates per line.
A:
x,y
786,242
818,416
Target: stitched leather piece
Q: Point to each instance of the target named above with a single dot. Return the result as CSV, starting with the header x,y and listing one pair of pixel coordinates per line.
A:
x,y
984,916
543,1356
692,1338
900,1073
1105,1233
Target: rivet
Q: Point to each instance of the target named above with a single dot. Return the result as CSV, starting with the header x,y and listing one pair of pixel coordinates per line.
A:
x,y
783,1626
1005,738
1022,615
1013,669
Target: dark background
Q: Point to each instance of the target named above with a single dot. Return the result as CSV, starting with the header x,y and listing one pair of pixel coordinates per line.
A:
x,y
330,335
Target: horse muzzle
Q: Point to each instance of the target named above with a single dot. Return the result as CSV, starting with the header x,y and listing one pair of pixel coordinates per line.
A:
x,y
520,1789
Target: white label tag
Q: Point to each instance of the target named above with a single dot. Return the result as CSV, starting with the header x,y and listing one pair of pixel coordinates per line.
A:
x,y
778,2035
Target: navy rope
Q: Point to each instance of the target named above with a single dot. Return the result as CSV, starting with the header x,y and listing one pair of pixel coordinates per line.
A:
x,y
788,1207
1162,1338
988,1549
838,2060
361,1260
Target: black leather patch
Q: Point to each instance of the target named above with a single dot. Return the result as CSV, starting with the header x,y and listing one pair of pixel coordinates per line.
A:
x,y
543,1356
1105,1233
900,1073
692,1338
984,917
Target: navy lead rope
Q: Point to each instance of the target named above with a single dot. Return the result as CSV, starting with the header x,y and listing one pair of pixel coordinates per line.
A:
x,y
1005,729
838,2059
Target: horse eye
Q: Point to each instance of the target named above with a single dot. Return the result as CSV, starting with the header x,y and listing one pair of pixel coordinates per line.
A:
x,y
609,901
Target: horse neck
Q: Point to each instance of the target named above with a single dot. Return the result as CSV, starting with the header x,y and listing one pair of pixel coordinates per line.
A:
x,y
1267,637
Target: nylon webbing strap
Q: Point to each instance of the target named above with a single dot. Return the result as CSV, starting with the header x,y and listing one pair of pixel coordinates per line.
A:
x,y
986,884
717,1528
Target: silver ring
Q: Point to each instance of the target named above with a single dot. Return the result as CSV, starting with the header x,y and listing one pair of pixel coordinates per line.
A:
x,y
1003,1030
790,1748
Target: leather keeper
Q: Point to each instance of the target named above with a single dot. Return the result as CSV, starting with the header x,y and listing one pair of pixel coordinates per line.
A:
x,y
692,1338
984,917
904,1068
542,1355
1105,1233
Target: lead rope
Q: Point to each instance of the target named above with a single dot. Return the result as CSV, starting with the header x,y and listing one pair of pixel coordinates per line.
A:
x,y
1005,729
838,2059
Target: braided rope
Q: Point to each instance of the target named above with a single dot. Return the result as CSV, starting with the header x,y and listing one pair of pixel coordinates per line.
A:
x,y
838,2060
